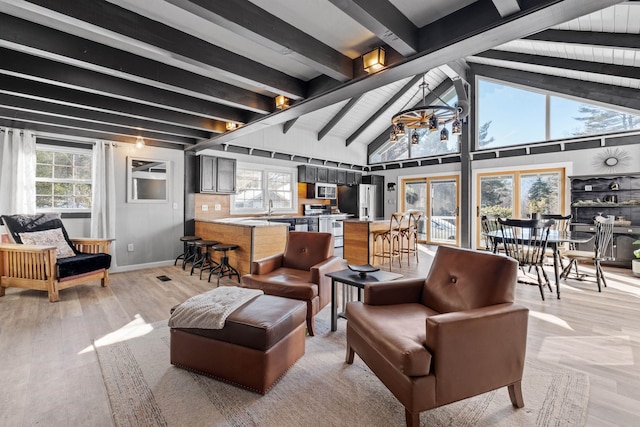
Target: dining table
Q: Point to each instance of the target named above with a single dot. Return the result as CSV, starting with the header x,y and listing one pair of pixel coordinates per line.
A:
x,y
555,240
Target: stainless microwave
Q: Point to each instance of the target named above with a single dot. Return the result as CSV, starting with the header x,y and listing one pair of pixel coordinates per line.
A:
x,y
326,191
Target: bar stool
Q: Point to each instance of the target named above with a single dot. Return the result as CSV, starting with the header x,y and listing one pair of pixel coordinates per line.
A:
x,y
185,240
203,259
386,243
224,269
409,236
192,254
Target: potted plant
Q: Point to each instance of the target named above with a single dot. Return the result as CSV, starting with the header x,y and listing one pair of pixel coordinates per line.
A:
x,y
635,263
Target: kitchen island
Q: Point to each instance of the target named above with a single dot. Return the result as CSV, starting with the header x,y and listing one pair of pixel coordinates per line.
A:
x,y
358,239
256,239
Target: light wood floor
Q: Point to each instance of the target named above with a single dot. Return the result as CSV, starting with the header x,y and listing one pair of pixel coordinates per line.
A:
x,y
49,375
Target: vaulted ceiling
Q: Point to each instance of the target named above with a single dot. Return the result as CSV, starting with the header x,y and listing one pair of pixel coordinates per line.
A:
x,y
175,71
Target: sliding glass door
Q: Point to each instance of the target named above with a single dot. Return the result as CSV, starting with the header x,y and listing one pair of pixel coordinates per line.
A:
x,y
438,198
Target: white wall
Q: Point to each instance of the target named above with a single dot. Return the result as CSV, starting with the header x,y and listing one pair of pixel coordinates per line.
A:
x,y
153,228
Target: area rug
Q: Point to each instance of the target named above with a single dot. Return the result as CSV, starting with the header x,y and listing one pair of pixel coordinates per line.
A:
x,y
319,390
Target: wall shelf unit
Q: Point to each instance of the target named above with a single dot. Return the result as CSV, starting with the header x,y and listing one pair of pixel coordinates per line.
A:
x,y
615,195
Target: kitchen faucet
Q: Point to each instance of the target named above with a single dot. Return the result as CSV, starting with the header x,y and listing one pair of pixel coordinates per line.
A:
x,y
270,207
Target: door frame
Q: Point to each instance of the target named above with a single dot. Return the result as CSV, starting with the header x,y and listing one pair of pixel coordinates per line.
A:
x,y
427,179
565,169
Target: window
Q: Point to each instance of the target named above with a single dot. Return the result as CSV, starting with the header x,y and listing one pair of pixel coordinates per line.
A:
x,y
258,185
519,193
509,115
63,178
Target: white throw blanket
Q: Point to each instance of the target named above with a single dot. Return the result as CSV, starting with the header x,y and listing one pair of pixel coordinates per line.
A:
x,y
210,309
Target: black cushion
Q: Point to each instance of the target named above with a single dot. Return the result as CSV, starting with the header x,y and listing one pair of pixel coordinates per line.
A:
x,y
17,224
82,263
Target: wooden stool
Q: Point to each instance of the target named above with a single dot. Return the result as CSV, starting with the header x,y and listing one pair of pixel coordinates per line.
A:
x,y
224,269
388,241
185,254
203,259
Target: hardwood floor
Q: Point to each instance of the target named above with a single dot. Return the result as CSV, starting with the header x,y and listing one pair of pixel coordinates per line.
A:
x,y
50,375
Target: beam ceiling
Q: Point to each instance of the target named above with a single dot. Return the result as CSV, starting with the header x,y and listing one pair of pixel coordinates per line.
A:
x,y
123,68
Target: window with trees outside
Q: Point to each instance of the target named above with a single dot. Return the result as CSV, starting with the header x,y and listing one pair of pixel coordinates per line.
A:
x,y
518,194
513,115
63,179
429,143
255,187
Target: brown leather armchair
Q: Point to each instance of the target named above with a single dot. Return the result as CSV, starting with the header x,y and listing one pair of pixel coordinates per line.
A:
x,y
299,272
455,335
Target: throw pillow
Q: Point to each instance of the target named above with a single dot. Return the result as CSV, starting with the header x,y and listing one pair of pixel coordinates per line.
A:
x,y
53,237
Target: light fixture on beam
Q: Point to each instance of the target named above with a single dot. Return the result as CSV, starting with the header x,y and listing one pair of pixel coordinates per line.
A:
x,y
231,126
282,102
140,142
374,60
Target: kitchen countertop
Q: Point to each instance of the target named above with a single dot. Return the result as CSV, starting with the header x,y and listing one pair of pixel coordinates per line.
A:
x,y
244,222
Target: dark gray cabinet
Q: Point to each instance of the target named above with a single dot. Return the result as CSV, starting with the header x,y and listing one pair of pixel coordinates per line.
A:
x,y
332,176
308,174
323,175
216,175
341,177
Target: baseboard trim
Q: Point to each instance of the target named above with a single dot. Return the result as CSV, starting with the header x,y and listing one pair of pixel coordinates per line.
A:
x,y
133,267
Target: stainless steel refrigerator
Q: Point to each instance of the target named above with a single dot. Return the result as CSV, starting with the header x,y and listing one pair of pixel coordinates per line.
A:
x,y
360,201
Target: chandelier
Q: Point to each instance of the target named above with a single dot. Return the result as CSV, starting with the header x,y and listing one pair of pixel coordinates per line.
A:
x,y
430,117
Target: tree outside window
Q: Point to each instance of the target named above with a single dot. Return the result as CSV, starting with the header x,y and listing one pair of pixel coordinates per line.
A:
x,y
63,179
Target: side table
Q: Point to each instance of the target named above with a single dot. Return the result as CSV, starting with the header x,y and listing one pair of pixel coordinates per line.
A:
x,y
351,278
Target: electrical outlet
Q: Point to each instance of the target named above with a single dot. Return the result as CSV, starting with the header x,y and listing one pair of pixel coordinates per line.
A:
x,y
205,208
588,188
175,205
130,247
218,207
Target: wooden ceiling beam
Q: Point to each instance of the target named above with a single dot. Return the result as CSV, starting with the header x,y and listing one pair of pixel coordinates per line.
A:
x,y
83,133
384,20
259,26
339,116
46,119
154,40
410,85
561,63
59,46
588,38
91,116
60,95
27,66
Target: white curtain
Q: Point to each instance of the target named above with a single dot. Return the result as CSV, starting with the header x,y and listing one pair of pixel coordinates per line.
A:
x,y
103,186
17,172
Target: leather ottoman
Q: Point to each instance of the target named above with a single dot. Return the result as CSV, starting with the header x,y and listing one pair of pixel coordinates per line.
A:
x,y
259,342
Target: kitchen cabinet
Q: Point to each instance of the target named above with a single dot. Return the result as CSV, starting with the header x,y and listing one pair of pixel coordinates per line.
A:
x,y
308,174
341,177
332,176
216,175
322,175
354,178
614,195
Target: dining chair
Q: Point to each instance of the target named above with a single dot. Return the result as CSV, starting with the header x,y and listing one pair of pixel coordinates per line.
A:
x,y
525,240
602,251
489,224
562,224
